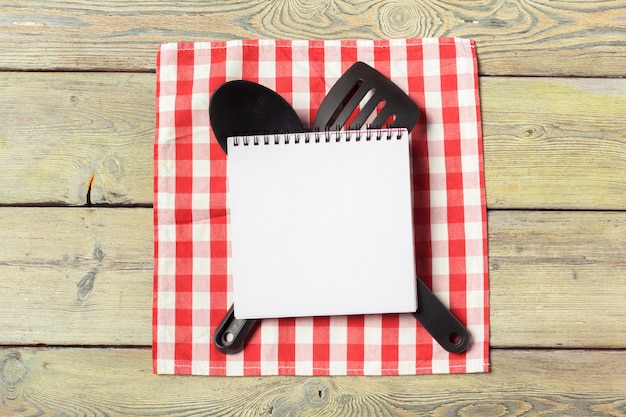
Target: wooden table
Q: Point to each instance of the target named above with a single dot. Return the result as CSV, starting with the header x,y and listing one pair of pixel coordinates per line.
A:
x,y
76,135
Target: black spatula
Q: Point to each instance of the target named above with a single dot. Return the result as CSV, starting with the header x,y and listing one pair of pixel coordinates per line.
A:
x,y
355,85
398,110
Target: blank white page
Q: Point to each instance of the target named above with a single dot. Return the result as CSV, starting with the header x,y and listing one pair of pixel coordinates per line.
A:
x,y
321,224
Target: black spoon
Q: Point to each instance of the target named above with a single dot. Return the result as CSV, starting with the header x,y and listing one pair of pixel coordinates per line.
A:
x,y
245,108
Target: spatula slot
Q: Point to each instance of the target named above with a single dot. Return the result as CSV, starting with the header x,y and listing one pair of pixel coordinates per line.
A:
x,y
364,109
388,122
342,105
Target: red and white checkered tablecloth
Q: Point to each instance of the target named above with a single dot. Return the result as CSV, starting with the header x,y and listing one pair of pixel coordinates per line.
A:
x,y
192,285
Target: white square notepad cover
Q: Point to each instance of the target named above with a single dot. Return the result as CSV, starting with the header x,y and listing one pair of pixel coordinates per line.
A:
x,y
321,224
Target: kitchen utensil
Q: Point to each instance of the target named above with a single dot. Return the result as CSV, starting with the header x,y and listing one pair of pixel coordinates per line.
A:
x,y
232,334
363,83
442,325
245,107
228,114
341,102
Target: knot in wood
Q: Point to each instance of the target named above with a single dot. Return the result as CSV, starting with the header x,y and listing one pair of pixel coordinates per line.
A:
x,y
399,20
85,285
12,370
98,255
493,409
315,393
532,132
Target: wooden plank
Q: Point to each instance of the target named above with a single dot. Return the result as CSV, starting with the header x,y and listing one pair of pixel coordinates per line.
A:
x,y
548,143
76,138
554,143
514,37
83,382
84,276
74,276
557,278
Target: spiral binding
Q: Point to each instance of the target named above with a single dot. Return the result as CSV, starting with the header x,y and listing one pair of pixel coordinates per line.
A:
x,y
319,137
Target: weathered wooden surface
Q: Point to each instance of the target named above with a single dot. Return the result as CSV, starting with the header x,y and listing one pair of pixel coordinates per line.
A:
x,y
76,276
73,382
65,134
554,143
558,278
73,134
549,143
516,37
84,277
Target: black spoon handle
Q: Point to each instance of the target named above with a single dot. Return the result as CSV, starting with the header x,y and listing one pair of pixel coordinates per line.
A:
x,y
446,329
232,333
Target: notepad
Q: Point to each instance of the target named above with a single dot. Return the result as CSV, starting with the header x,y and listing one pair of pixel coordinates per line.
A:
x,y
321,224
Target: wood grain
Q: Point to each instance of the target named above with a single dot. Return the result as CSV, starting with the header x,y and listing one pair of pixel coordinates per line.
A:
x,y
557,278
554,143
548,143
514,37
76,276
84,276
64,136
73,382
